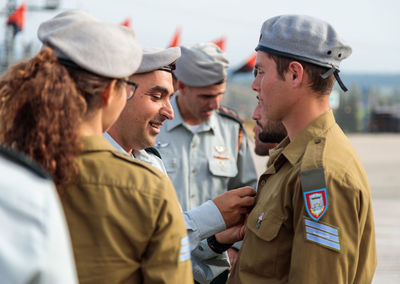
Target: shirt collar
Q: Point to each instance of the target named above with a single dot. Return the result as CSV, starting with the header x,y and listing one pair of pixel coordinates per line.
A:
x,y
141,155
295,149
96,143
178,120
114,143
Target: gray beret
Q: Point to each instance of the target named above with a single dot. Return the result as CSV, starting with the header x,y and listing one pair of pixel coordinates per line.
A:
x,y
307,39
108,50
201,65
158,58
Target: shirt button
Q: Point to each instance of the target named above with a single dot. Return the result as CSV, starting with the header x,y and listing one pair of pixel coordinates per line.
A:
x,y
193,196
317,141
194,145
262,183
193,171
201,248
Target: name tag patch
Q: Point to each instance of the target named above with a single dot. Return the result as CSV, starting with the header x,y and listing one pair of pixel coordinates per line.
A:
x,y
185,249
322,234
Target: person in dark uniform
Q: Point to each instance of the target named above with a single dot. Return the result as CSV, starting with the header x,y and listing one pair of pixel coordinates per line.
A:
x,y
313,221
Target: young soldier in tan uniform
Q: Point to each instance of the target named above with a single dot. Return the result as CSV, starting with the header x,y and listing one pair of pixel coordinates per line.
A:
x,y
124,218
312,222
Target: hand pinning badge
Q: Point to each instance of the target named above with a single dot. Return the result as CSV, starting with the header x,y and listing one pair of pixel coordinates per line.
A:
x,y
259,220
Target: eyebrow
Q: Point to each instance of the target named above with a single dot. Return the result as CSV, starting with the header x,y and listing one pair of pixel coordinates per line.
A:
x,y
212,95
162,90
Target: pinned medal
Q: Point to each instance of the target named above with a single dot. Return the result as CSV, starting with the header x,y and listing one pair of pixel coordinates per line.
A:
x,y
161,145
221,157
220,149
259,220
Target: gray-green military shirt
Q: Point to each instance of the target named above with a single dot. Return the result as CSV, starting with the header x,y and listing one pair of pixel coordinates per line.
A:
x,y
205,164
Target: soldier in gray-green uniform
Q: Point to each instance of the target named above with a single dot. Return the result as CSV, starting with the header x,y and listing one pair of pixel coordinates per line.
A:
x,y
204,148
313,221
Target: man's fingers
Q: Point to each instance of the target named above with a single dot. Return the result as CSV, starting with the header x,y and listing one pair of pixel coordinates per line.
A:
x,y
245,191
245,210
246,201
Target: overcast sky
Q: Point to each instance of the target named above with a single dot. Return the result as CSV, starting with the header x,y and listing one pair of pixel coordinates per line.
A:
x,y
369,26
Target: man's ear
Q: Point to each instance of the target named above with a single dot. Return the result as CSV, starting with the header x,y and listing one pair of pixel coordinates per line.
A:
x,y
106,97
295,73
181,87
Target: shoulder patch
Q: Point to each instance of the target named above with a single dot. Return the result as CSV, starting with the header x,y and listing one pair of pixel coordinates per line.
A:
x,y
24,161
230,114
312,178
154,151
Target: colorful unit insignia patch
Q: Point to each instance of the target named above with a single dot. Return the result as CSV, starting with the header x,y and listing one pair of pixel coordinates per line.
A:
x,y
322,234
316,202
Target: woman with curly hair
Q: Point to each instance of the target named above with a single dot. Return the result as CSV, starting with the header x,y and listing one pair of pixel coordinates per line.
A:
x,y
124,217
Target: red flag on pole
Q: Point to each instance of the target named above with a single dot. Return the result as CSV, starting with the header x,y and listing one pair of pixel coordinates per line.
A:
x,y
176,38
248,66
126,22
18,18
221,43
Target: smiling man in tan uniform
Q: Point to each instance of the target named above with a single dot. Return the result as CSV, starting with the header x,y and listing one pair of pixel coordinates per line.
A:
x,y
312,222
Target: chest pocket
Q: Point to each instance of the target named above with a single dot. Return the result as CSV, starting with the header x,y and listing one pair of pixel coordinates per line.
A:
x,y
265,252
171,164
224,168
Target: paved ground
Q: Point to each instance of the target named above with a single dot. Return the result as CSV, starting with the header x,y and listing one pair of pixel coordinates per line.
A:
x,y
380,155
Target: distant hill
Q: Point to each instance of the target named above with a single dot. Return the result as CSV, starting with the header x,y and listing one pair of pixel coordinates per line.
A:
x,y
391,81
242,98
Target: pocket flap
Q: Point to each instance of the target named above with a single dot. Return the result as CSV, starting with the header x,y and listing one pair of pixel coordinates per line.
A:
x,y
225,168
171,164
269,227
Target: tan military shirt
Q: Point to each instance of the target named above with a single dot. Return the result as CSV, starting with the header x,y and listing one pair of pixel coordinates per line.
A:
x,y
125,222
283,242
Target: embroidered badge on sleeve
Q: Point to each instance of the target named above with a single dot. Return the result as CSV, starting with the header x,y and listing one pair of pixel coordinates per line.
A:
x,y
316,202
322,234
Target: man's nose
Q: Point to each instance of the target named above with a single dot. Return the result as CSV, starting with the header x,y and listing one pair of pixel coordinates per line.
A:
x,y
167,111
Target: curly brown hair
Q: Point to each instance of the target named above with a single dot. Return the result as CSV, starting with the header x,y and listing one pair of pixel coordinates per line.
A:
x,y
40,113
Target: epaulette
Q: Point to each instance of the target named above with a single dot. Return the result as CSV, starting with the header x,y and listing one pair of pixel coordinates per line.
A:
x,y
233,115
314,154
230,114
154,151
312,178
24,161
